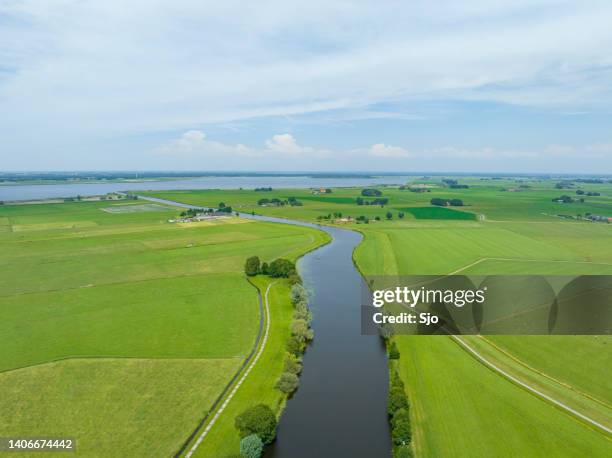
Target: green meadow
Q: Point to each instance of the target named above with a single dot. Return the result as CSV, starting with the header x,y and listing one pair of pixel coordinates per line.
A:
x,y
506,226
119,328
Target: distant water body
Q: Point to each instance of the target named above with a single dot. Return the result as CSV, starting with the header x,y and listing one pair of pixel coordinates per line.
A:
x,y
49,191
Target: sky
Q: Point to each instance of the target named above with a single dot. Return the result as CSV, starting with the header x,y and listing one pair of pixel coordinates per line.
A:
x,y
446,86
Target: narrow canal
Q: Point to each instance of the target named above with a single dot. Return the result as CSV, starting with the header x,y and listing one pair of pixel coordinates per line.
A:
x,y
340,408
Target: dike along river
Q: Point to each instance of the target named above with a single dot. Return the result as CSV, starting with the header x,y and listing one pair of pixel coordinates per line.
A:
x,y
340,408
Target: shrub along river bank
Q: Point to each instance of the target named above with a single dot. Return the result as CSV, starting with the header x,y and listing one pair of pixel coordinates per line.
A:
x,y
257,424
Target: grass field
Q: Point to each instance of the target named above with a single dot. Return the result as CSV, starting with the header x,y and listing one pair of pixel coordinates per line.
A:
x,y
498,200
438,213
223,439
459,406
119,328
445,382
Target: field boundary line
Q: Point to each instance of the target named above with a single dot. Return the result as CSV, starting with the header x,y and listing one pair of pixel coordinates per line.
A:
x,y
562,261
529,388
251,364
544,374
107,357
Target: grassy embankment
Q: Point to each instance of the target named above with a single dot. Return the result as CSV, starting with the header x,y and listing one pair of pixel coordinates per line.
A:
x,y
120,329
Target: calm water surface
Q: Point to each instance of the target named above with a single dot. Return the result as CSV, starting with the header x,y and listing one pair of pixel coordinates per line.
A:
x,y
47,191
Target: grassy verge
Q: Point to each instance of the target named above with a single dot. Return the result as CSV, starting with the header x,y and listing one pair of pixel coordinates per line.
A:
x,y
223,438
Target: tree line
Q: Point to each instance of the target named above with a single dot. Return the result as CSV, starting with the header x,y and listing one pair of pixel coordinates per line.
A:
x,y
275,201
398,406
446,202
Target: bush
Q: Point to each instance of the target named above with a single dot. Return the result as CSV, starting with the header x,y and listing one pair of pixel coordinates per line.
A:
x,y
281,268
302,312
251,446
393,351
288,382
260,420
251,267
294,346
298,294
401,433
444,202
293,364
396,381
301,331
397,400
399,416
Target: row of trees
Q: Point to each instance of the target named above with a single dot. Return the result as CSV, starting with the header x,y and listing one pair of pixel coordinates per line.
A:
x,y
382,201
279,268
398,409
446,202
192,212
580,192
371,192
280,203
565,199
224,208
361,219
414,188
398,406
301,335
268,189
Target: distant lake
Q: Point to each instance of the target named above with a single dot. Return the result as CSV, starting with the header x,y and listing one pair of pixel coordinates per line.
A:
x,y
48,191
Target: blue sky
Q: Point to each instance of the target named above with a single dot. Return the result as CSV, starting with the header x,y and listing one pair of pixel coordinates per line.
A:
x,y
500,86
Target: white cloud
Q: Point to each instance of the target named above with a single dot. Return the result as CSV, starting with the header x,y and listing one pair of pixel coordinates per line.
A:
x,y
382,150
286,144
194,142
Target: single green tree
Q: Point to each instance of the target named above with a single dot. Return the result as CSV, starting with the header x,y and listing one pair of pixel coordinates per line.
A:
x,y
251,267
301,331
260,420
293,364
294,346
287,383
251,446
389,215
298,294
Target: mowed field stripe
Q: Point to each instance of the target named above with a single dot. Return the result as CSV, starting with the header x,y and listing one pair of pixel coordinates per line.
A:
x,y
229,397
559,404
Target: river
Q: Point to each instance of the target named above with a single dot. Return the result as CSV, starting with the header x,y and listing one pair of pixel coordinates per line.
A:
x,y
340,408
